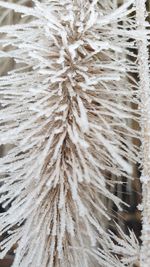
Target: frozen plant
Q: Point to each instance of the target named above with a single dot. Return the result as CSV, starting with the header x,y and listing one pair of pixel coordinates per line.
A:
x,y
65,110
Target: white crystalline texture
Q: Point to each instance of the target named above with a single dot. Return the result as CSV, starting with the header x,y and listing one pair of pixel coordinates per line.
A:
x,y
65,110
145,179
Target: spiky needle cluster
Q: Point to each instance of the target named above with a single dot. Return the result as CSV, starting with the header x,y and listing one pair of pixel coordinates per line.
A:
x,y
65,109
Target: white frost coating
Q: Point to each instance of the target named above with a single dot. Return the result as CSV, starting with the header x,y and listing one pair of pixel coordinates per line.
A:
x,y
143,57
18,8
145,179
64,110
83,115
73,48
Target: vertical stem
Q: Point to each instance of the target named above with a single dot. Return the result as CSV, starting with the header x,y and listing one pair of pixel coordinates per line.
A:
x,y
145,128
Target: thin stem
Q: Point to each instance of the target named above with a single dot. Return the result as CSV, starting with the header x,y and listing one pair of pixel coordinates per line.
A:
x,y
145,128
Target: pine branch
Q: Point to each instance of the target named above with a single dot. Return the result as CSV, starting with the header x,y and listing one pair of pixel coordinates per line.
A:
x,y
65,111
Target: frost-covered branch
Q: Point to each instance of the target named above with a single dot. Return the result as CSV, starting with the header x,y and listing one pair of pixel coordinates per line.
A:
x,y
145,129
68,131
